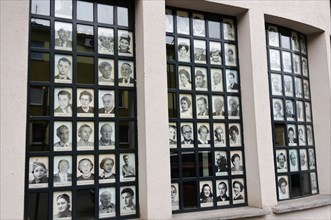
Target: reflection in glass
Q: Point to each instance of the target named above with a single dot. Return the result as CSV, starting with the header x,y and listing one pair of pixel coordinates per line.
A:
x,y
174,163
37,206
205,164
171,76
214,29
279,135
38,136
85,210
84,11
85,69
40,7
40,32
170,48
295,185
85,42
105,14
39,67
190,195
122,16
39,101
188,163
126,104
63,8
172,106
127,135
285,38
305,180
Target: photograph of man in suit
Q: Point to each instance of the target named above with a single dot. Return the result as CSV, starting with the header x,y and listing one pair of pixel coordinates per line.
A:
x,y
63,67
218,107
233,107
200,80
219,136
199,55
63,42
106,131
63,134
186,131
232,82
222,188
85,99
64,99
221,163
291,137
63,176
108,104
202,106
126,73
203,132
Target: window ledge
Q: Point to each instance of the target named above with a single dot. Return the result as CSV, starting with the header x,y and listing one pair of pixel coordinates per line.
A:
x,y
219,214
302,204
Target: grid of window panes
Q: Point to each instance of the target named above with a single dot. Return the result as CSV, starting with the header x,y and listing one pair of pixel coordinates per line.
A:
x,y
81,148
205,122
290,102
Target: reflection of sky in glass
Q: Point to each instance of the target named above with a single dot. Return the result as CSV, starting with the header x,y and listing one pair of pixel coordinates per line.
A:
x,y
214,29
40,22
122,16
40,7
105,14
84,29
63,8
85,11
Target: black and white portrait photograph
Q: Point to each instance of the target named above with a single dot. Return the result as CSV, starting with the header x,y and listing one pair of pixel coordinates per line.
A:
x,y
202,108
238,191
184,78
308,112
306,90
107,201
198,25
293,161
300,111
274,59
276,84
126,73
106,103
295,41
311,159
63,36
201,79
233,107
62,68
283,188
303,159
218,107
302,135
310,137
107,168
222,190
313,183
288,85
232,83
289,110
38,172
296,64
234,134
63,102
303,44
128,200
125,43
230,54
106,72
62,136
273,36
62,171
228,29
63,8
215,53
169,21
237,167
183,25
127,165
203,135
187,135
184,50
105,40
85,169
85,103
172,135
174,196
206,193
278,109
287,63
62,206
216,80
85,135
221,163
292,135
185,105
219,135
281,159
200,51
304,66
106,135
298,87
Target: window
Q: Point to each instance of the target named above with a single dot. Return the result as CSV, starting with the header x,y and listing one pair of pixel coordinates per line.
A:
x,y
290,102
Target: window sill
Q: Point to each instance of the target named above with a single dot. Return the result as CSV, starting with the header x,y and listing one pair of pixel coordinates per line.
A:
x,y
231,213
302,204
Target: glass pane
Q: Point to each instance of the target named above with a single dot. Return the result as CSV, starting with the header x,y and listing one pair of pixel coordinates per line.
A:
x,y
63,8
190,195
285,38
122,16
171,76
85,11
85,35
126,104
39,67
172,110
188,162
37,206
214,29
174,165
85,69
85,210
305,179
39,101
295,185
39,136
40,7
279,135
127,135
205,164
40,33
105,14
170,48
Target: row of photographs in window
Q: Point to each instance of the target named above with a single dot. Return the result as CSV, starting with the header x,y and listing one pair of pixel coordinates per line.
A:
x,y
201,77
297,65
287,39
63,202
62,170
292,159
299,88
85,12
284,186
294,110
204,136
303,137
227,192
181,25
